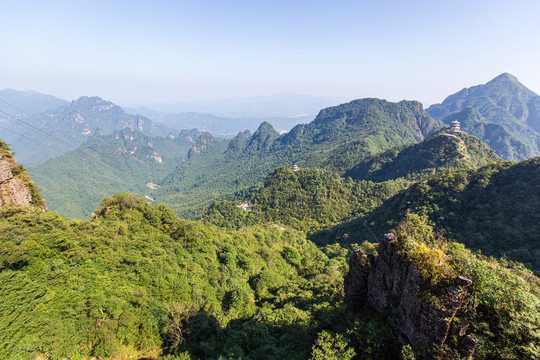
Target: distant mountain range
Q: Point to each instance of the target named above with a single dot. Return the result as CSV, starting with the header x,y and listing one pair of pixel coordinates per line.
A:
x,y
366,139
227,117
68,126
281,105
219,125
503,113
31,102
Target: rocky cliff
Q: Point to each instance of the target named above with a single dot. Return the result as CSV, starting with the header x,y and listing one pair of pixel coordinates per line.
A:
x,y
16,188
422,313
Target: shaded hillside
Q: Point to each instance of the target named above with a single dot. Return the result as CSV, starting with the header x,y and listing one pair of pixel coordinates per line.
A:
x,y
494,209
337,139
503,101
439,151
73,124
74,183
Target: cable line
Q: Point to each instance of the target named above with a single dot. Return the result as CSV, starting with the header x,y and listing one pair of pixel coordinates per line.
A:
x,y
32,127
25,136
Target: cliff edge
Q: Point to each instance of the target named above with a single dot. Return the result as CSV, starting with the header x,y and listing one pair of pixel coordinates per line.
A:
x,y
422,313
16,188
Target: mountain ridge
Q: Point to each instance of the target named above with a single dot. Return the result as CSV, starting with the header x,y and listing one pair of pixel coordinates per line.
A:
x,y
505,102
73,124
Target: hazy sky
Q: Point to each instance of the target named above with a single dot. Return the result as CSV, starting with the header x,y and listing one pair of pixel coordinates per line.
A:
x,y
134,52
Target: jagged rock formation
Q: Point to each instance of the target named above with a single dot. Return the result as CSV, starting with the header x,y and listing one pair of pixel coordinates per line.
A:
x,y
390,284
16,188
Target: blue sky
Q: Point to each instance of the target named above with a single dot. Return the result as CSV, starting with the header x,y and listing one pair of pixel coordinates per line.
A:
x,y
133,52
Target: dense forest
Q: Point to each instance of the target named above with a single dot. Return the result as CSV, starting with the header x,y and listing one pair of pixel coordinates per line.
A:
x,y
137,281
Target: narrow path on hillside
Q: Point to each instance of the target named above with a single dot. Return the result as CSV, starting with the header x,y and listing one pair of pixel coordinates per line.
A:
x,y
371,231
462,148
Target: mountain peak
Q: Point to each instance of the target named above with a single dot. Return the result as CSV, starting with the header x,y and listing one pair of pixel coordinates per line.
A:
x,y
265,127
96,102
505,76
506,79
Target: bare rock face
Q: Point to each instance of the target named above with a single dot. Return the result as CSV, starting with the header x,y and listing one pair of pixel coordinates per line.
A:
x,y
14,186
5,170
14,192
390,284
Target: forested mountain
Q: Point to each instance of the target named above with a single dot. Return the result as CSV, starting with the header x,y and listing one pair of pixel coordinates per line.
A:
x,y
308,199
72,124
337,139
494,209
312,199
505,143
126,161
510,119
442,150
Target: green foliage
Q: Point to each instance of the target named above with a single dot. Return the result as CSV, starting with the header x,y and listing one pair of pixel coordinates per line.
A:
x,y
331,346
491,209
417,243
336,140
74,183
308,199
440,151
504,307
136,279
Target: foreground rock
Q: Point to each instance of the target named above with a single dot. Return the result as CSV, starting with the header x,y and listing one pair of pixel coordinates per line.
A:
x,y
422,313
16,188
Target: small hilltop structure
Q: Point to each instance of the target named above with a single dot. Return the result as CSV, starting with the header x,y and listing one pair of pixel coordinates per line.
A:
x,y
455,127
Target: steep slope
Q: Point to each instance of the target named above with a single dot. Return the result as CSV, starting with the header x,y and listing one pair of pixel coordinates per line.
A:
x,y
503,101
74,183
439,151
505,143
16,188
73,124
494,209
444,301
337,139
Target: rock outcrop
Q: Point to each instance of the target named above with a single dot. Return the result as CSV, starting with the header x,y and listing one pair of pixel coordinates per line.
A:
x,y
16,188
390,284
